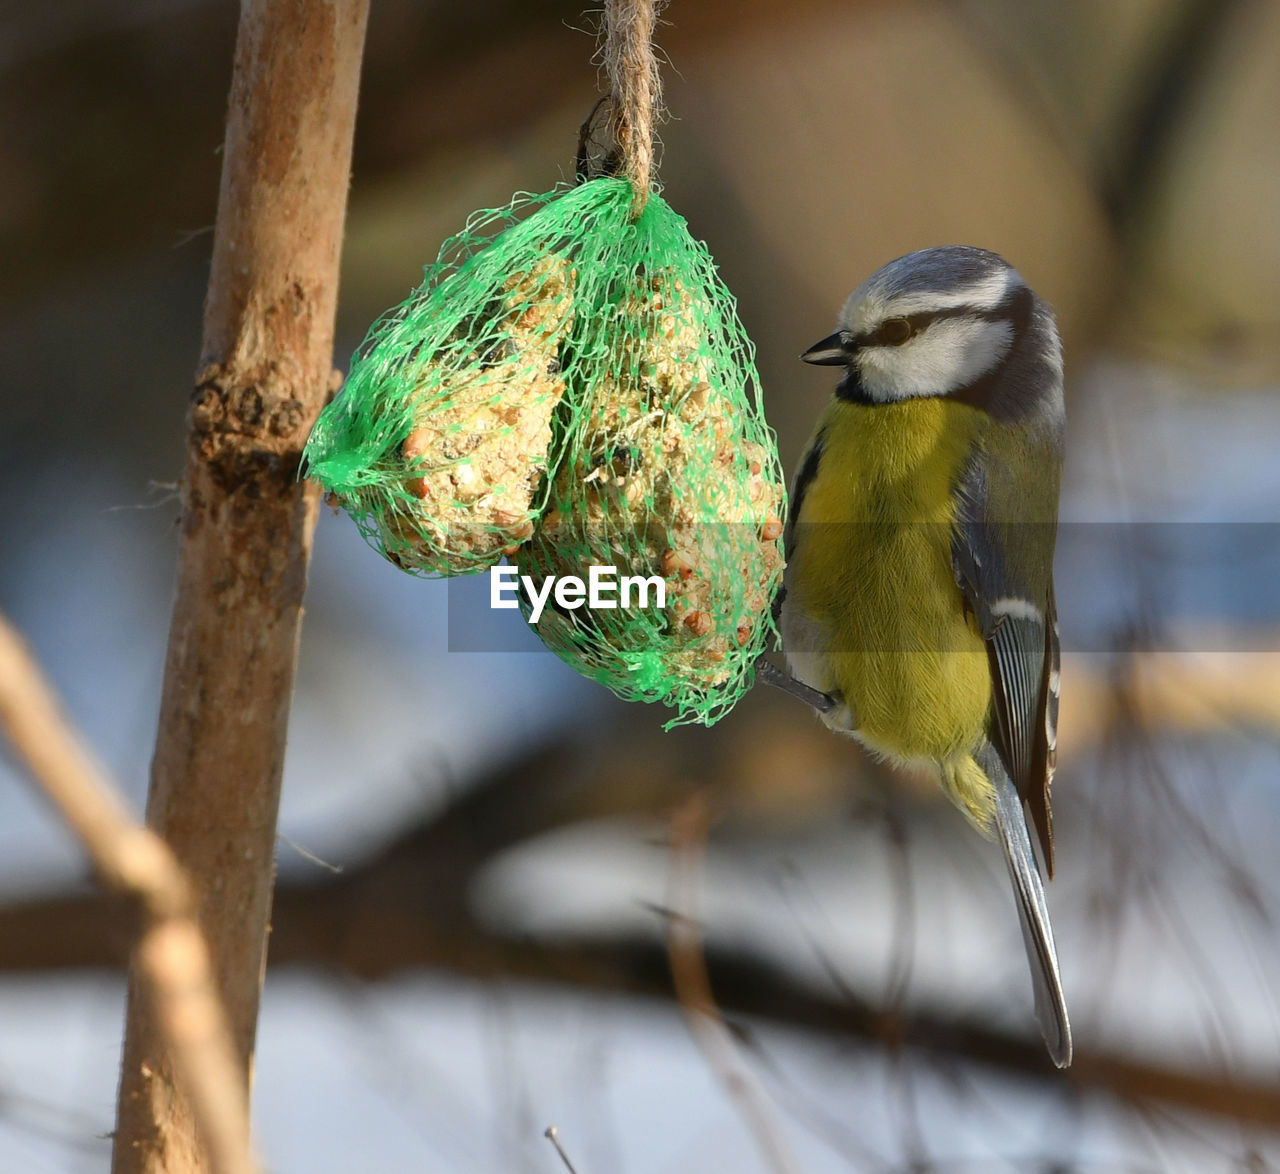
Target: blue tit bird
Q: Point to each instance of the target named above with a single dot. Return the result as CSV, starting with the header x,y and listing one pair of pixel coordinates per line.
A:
x,y
917,612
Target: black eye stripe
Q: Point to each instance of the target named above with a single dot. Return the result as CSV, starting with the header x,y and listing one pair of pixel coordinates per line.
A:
x,y
1008,310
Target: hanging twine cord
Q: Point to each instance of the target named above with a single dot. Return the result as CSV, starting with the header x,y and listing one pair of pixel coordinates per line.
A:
x,y
636,86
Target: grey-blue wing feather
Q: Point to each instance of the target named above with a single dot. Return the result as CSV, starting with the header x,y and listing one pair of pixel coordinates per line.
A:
x,y
1004,569
1002,551
1016,650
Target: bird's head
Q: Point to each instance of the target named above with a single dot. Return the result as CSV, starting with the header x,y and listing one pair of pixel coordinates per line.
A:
x,y
934,323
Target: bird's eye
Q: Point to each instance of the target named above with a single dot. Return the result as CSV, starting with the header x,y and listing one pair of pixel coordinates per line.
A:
x,y
895,331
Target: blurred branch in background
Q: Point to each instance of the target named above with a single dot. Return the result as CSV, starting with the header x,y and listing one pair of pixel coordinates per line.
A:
x,y
1116,86
1147,101
691,984
412,903
173,965
445,78
1153,102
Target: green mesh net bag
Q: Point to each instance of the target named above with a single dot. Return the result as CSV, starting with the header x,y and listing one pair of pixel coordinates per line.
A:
x,y
440,442
571,387
667,472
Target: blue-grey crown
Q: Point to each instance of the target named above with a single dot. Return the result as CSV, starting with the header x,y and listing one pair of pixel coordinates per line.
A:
x,y
942,270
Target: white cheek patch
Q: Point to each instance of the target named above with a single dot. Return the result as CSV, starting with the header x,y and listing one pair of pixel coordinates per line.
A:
x,y
946,356
866,309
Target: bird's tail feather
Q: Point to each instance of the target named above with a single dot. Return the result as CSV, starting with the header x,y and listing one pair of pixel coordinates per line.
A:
x,y
1033,913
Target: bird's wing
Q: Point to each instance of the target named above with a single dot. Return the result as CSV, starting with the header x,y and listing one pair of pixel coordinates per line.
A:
x,y
805,473
1005,573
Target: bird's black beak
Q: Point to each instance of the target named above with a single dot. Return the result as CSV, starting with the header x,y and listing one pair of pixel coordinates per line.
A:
x,y
833,351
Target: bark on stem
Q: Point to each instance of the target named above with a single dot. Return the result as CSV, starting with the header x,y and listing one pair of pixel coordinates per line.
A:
x,y
265,372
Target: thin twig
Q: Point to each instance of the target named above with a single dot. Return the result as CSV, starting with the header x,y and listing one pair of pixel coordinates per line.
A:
x,y
173,959
692,984
552,1134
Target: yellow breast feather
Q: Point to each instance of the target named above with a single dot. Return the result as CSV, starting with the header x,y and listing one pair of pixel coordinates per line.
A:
x,y
872,568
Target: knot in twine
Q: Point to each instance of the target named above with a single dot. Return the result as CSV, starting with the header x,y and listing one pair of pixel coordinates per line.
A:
x,y
636,87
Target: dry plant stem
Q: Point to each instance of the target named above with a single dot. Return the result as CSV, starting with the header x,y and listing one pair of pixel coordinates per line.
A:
x,y
247,524
173,960
552,1134
692,983
636,84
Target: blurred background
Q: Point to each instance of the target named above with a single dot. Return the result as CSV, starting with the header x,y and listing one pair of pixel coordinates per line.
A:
x,y
476,885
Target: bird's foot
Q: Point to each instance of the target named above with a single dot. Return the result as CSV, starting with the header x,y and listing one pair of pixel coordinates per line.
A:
x,y
770,674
